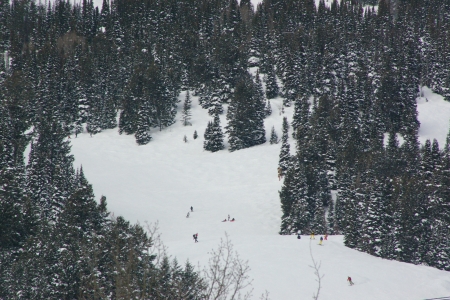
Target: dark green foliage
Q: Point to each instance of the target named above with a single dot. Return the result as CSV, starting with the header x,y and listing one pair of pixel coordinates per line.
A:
x,y
213,136
273,136
245,116
268,108
186,113
295,201
49,172
285,155
271,84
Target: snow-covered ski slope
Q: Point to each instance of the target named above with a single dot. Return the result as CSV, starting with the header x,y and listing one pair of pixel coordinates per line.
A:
x,y
161,180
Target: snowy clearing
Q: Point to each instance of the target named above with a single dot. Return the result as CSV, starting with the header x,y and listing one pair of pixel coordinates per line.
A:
x,y
160,181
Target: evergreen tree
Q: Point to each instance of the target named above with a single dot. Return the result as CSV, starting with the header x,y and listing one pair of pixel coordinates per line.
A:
x,y
273,136
245,116
49,172
331,221
213,136
186,113
294,201
271,84
285,156
268,108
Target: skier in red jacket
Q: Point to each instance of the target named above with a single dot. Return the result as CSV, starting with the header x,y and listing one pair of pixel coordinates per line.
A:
x,y
349,279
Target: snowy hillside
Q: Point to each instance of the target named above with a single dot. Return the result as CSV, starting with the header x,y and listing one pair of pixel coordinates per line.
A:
x,y
160,181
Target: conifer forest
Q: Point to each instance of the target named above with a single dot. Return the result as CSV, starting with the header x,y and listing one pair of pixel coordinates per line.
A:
x,y
355,166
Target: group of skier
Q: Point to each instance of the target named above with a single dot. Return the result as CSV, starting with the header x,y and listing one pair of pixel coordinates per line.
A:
x,y
225,220
192,209
322,238
312,237
195,236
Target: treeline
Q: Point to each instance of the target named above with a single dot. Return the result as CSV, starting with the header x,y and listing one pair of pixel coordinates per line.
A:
x,y
57,242
80,66
356,130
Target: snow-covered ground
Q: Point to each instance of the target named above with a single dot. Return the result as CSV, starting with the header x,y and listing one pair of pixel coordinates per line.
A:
x,y
434,117
161,180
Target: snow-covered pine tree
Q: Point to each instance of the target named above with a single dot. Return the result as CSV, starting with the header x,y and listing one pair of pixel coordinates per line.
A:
x,y
272,89
273,136
213,136
294,201
49,171
186,112
245,116
15,217
285,155
331,221
268,108
300,119
142,134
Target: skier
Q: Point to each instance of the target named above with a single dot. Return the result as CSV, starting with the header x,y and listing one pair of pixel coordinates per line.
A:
x,y
280,173
225,220
187,216
349,279
326,237
232,220
195,237
192,209
299,236
228,217
312,236
321,239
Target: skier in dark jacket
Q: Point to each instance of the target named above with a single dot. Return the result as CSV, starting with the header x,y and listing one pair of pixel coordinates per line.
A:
x,y
195,237
192,209
321,240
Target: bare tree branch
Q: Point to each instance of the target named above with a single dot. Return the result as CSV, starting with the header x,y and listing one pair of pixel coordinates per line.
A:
x,y
158,248
227,274
316,267
265,296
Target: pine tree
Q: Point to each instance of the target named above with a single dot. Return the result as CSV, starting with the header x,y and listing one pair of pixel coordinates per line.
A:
x,y
331,221
273,136
186,113
272,89
294,201
268,108
245,116
300,119
285,156
213,136
49,172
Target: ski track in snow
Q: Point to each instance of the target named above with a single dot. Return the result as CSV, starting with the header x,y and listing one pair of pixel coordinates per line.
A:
x,y
161,180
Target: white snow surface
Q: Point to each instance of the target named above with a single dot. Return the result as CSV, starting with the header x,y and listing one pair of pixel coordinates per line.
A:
x,y
161,180
434,117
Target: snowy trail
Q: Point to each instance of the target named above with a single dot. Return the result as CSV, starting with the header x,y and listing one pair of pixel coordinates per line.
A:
x,y
160,181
